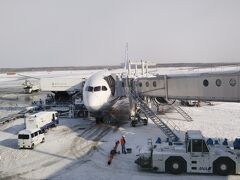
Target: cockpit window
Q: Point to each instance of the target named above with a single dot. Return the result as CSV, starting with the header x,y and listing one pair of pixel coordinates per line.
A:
x,y
97,88
104,88
89,88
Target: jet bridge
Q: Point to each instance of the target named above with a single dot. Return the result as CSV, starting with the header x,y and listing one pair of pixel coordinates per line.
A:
x,y
213,86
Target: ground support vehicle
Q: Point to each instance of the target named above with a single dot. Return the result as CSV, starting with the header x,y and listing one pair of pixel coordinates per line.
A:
x,y
43,120
30,87
29,138
191,156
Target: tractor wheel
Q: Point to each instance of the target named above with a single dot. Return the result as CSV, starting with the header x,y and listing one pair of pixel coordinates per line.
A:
x,y
224,166
175,165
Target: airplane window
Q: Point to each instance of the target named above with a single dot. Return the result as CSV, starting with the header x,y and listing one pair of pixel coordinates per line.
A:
x,y
147,84
104,88
205,83
90,88
218,82
232,82
97,88
154,83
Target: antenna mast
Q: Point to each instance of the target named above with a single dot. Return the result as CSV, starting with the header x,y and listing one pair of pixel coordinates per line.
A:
x,y
126,56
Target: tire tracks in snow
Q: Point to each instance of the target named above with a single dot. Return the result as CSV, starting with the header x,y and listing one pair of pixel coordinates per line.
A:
x,y
94,136
87,141
81,146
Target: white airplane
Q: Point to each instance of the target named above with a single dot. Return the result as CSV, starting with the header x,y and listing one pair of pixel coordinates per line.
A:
x,y
98,90
98,94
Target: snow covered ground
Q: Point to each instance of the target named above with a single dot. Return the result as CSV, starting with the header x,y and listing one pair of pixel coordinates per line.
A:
x,y
221,123
79,149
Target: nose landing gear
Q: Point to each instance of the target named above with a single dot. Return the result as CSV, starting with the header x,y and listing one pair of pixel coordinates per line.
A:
x,y
99,120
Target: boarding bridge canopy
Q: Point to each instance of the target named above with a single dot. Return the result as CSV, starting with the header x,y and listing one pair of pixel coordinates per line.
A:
x,y
62,84
216,86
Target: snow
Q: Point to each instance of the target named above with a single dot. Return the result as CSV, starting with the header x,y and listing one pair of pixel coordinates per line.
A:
x,y
79,149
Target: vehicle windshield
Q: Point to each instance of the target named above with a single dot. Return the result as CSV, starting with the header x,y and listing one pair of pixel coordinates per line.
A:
x,y
23,136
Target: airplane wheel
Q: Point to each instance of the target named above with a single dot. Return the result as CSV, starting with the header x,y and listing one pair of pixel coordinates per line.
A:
x,y
223,167
99,120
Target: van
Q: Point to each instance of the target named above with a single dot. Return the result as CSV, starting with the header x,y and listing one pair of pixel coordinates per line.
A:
x,y
29,138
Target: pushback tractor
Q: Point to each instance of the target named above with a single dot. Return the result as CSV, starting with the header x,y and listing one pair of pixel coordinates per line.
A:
x,y
193,155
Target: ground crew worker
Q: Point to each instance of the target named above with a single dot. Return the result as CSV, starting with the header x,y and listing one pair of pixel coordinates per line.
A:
x,y
123,142
225,142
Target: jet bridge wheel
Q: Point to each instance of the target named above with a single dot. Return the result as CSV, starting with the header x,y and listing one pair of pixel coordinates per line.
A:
x,y
224,166
175,165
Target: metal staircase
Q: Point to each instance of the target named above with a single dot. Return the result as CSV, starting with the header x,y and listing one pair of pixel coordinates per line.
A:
x,y
167,127
182,112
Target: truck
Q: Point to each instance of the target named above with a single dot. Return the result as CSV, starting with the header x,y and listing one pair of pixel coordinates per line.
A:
x,y
30,87
43,120
193,155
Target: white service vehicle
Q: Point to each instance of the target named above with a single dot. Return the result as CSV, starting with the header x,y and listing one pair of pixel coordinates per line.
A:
x,y
30,87
42,120
191,156
62,84
29,138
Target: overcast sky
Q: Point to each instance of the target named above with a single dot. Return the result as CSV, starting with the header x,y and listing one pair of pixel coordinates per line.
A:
x,y
94,32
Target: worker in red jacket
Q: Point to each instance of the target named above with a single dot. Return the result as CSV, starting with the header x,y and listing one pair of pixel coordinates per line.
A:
x,y
123,142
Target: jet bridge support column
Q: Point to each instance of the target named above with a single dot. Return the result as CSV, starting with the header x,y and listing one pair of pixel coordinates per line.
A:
x,y
136,113
132,103
133,109
166,87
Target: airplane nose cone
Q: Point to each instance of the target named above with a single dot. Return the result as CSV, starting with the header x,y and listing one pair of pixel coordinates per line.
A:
x,y
92,102
93,107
